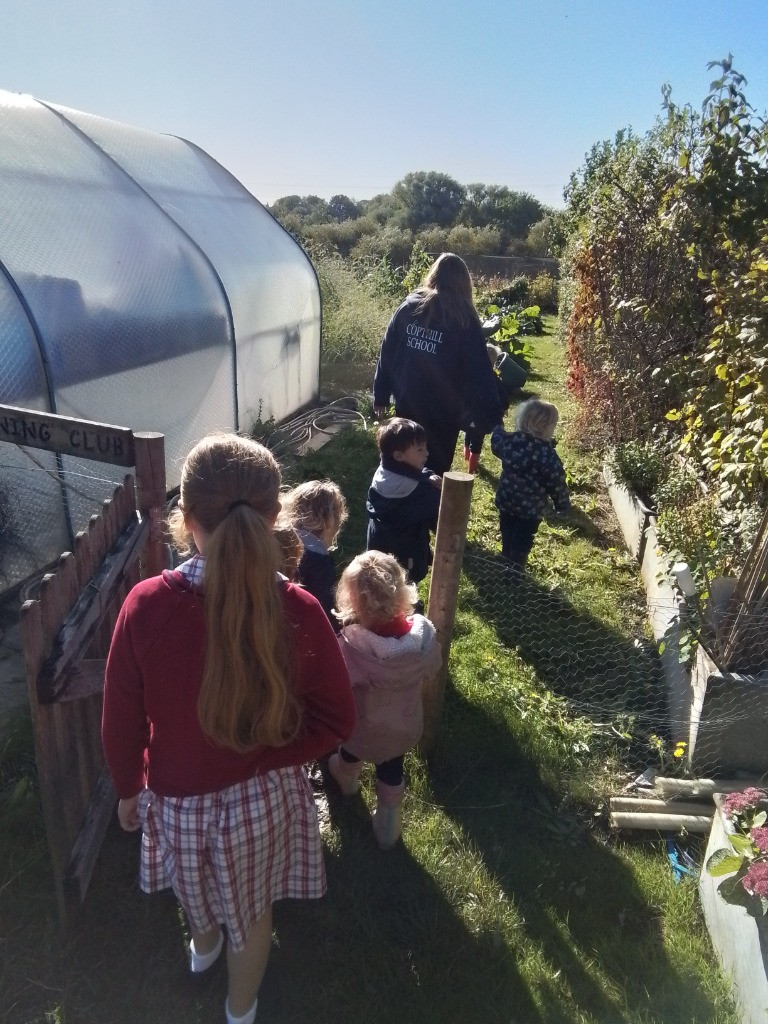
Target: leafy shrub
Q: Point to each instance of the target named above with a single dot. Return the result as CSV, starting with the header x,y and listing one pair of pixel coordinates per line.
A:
x,y
642,466
391,242
668,269
342,236
513,327
543,292
516,293
712,539
356,306
434,239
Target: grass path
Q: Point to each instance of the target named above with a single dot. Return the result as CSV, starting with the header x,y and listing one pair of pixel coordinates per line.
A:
x,y
507,903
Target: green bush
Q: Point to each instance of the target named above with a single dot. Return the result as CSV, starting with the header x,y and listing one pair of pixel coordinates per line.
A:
x,y
516,293
356,306
667,271
642,466
542,292
391,242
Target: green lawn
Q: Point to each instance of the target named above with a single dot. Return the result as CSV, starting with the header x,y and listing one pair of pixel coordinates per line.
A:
x,y
508,900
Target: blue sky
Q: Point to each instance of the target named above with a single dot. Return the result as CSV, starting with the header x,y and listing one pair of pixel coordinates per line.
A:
x,y
347,97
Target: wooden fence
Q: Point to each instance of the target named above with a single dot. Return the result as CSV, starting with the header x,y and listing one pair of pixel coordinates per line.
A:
x,y
66,632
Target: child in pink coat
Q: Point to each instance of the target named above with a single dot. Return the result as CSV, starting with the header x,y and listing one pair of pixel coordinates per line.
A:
x,y
389,651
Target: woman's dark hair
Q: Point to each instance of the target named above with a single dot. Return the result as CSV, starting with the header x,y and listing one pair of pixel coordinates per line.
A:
x,y
446,293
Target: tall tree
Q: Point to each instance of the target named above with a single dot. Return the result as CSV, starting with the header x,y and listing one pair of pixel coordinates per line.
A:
x,y
310,209
429,197
341,208
496,206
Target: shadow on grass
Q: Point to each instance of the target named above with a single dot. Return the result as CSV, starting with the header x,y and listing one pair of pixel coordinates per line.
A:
x,y
581,907
387,947
572,652
384,947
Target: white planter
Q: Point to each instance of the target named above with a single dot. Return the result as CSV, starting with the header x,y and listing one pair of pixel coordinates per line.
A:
x,y
721,718
638,526
728,716
740,941
634,517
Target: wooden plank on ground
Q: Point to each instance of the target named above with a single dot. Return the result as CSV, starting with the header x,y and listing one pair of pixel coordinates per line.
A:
x,y
662,822
645,805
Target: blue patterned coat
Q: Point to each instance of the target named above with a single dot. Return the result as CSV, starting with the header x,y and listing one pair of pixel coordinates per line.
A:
x,y
531,474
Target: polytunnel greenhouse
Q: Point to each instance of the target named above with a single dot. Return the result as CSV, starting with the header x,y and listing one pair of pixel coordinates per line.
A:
x,y
141,285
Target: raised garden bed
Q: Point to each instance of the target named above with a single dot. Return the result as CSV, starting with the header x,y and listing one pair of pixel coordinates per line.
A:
x,y
740,941
638,527
721,717
728,717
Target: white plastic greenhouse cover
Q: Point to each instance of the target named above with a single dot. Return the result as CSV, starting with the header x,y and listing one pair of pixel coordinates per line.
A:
x,y
142,285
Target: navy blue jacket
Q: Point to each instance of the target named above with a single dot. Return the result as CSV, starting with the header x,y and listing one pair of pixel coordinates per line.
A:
x,y
437,374
531,474
317,574
402,508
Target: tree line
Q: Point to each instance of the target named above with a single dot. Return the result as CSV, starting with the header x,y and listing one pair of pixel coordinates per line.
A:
x,y
430,208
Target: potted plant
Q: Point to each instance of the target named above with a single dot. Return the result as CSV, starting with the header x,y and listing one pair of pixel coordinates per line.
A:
x,y
744,862
734,895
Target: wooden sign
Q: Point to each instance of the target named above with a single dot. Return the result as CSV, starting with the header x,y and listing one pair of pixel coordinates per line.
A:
x,y
101,442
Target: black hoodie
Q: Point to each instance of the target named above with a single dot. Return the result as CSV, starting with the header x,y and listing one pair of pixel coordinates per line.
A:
x,y
402,508
437,374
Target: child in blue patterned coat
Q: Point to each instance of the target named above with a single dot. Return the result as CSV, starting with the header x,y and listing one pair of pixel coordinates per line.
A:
x,y
531,475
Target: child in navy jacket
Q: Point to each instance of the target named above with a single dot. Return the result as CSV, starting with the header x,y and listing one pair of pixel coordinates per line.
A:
x,y
404,497
317,511
531,475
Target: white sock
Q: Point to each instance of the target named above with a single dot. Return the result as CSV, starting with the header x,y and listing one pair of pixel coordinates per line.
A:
x,y
248,1017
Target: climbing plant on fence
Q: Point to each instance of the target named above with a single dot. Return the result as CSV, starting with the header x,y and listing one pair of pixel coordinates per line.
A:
x,y
635,300
667,271
725,188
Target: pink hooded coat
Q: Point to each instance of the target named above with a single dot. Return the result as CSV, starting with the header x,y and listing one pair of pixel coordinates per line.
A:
x,y
386,675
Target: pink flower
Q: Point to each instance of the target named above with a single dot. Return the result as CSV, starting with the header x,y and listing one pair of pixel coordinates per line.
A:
x,y
743,801
756,879
759,837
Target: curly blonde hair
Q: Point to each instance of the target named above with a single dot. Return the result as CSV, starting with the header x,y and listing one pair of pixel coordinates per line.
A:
x,y
291,550
537,418
373,589
315,505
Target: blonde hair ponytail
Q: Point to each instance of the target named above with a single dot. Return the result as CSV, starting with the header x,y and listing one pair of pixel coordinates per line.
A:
x,y
230,485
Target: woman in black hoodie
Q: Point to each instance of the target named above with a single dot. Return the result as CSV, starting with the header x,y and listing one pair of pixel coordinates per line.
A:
x,y
433,362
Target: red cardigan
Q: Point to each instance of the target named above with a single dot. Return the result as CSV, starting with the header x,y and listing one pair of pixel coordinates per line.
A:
x,y
150,729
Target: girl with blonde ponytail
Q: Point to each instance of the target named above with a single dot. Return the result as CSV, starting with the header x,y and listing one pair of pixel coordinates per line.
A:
x,y
223,678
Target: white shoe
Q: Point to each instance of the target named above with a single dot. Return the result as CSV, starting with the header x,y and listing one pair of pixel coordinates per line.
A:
x,y
199,962
248,1017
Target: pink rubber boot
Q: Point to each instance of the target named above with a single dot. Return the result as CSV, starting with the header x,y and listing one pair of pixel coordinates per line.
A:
x,y
346,774
474,462
388,816
467,453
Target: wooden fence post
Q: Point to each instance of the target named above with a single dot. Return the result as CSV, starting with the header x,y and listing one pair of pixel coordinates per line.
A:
x,y
149,450
444,590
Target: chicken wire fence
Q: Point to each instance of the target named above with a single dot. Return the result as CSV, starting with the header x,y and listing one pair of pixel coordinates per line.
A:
x,y
651,697
45,500
607,671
